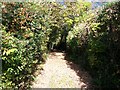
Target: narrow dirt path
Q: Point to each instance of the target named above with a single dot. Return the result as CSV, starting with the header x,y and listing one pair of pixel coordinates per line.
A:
x,y
60,73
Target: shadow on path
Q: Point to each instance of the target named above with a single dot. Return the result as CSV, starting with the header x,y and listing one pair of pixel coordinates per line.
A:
x,y
83,74
59,71
85,78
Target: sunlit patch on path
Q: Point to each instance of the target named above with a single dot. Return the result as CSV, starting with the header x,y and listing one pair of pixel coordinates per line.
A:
x,y
60,73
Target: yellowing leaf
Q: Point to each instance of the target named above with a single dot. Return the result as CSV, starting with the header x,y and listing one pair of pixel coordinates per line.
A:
x,y
11,50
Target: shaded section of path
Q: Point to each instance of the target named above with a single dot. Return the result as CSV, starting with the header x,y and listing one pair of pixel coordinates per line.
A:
x,y
60,73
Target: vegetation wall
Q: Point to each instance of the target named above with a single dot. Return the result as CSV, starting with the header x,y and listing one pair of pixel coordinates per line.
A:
x,y
95,44
29,31
90,37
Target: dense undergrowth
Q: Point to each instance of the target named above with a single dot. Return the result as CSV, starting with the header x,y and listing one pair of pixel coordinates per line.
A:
x,y
90,37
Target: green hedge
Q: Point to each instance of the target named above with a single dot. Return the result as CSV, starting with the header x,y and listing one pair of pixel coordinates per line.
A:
x,y
17,60
97,45
28,31
23,45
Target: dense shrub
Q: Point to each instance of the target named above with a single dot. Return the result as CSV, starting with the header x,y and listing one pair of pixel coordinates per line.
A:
x,y
92,39
100,45
16,60
23,46
28,31
104,47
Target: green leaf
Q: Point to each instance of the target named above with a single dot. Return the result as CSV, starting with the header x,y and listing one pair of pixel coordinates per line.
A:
x,y
11,50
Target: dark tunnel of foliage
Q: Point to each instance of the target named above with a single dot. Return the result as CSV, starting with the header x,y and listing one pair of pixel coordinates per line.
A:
x,y
91,39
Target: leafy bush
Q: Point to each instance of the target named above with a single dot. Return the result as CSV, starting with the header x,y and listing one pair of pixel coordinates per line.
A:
x,y
91,38
22,48
29,30
104,47
98,50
